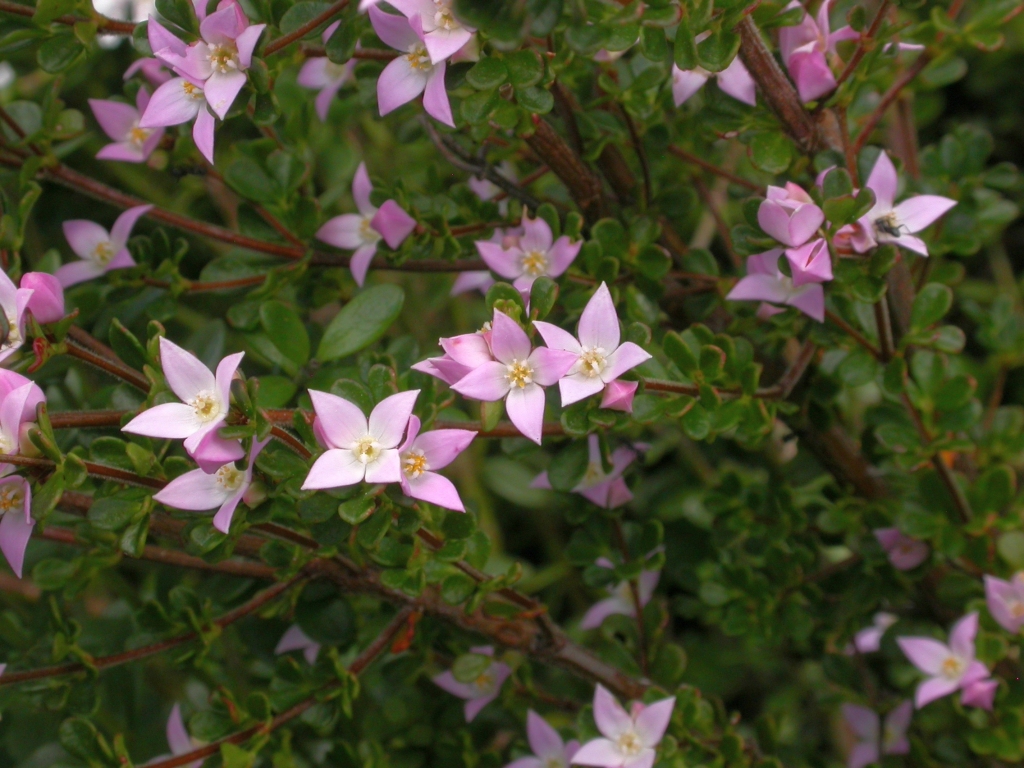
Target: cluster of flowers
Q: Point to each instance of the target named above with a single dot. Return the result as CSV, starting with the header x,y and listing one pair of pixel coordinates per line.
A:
x,y
791,217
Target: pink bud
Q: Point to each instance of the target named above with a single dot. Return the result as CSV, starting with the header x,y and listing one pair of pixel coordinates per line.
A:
x,y
47,301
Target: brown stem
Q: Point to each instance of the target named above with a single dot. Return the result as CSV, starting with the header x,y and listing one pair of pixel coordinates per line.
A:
x,y
114,660
116,369
888,98
103,24
712,168
866,39
634,588
286,40
583,186
641,155
723,228
853,333
84,419
884,325
360,663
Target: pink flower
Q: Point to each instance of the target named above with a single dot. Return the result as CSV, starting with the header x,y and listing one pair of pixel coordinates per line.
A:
x,y
100,251
810,263
980,693
322,74
518,374
873,740
606,490
120,122
621,601
178,739
765,282
422,454
412,73
47,300
151,68
358,449
505,238
949,667
16,521
219,60
735,80
533,256
629,739
904,552
443,34
789,215
805,48
549,751
1005,600
600,358
19,399
461,355
206,400
869,639
221,490
13,301
177,101
362,231
482,691
618,395
889,223
472,281
294,639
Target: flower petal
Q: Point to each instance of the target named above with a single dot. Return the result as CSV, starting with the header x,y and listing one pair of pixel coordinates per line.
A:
x,y
487,382
335,468
170,420
653,720
961,637
221,90
185,373
177,737
398,84
393,30
435,489
736,81
435,97
195,490
246,43
125,223
556,338
360,262
441,446
443,43
598,752
343,231
202,133
222,520
544,740
173,103
393,223
14,535
577,387
390,417
525,409
918,212
599,324
341,421
602,609
932,689
504,262
685,83
84,236
115,117
625,358
386,469
78,272
862,721
924,653
883,181
562,255
508,340
612,720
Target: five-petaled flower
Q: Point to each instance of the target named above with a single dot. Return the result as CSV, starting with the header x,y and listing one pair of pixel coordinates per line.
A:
x,y
120,121
481,691
805,48
549,750
413,72
443,34
606,489
322,74
622,601
950,667
601,359
517,374
421,454
629,739
99,251
765,282
47,300
903,552
359,449
206,400
875,739
361,232
1005,600
537,254
177,101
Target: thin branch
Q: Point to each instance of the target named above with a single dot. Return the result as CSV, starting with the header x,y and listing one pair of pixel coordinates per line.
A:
x,y
867,38
888,98
634,588
85,419
285,40
641,154
884,324
723,228
114,368
114,660
712,168
103,24
583,186
853,333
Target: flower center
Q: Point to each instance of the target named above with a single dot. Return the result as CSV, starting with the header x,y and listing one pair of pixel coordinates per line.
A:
x,y
952,668
554,762
535,263
629,744
519,374
484,681
419,59
1016,608
368,233
223,58
137,136
13,336
443,18
12,498
206,407
192,91
229,478
103,253
889,224
592,361
414,463
366,449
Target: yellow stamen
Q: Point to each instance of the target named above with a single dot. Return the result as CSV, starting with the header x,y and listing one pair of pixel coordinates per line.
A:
x,y
519,374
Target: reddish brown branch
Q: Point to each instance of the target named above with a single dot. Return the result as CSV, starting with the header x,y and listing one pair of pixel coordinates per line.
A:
x,y
712,168
103,24
285,40
866,39
583,186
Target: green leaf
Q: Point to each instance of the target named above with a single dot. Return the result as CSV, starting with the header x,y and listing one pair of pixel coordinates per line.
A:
x,y
569,466
679,352
342,44
300,14
457,588
232,756
771,151
48,10
535,99
53,574
357,510
718,50
930,306
374,528
469,666
478,107
685,49
525,68
543,295
59,52
178,12
79,737
361,322
285,330
328,621
247,177
653,262
487,73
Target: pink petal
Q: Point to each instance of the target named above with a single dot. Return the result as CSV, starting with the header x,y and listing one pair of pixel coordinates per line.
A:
x,y
918,212
447,682
84,236
160,38
221,90
78,272
325,97
487,382
685,83
602,609
810,263
612,720
528,762
980,694
393,30
435,97
525,409
443,43
124,152
809,299
202,133
47,301
536,234
390,417
386,469
505,263
393,223
222,520
14,535
736,81
115,118
897,722
441,446
862,721
804,224
398,84
883,182
910,242
998,594
932,689
341,422
170,420
924,653
862,754
125,223
314,73
961,637
556,338
361,189
435,489
549,365
213,452
811,74
544,740
185,374
625,358
226,369
469,349
360,263
342,231
473,707
177,737
599,325
508,340
653,720
222,26
335,468
598,752
755,287
471,281
172,104
193,490
645,760
577,387
618,395
246,43
294,639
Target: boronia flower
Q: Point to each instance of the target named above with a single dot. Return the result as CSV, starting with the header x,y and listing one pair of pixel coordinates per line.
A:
x,y
789,215
181,100
481,280
359,449
47,300
869,639
765,282
421,454
178,738
949,667
206,400
482,691
16,521
621,601
443,34
321,74
412,73
151,68
535,255
606,489
517,375
361,232
875,739
1005,600
99,251
120,121
600,358
19,400
221,490
888,222
462,354
294,639
549,750
805,48
629,739
903,552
